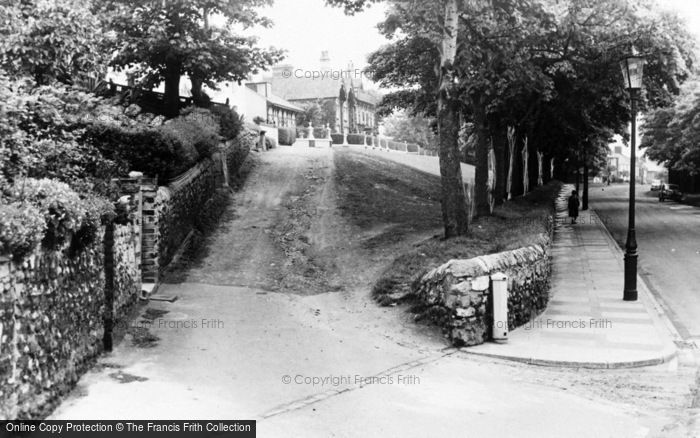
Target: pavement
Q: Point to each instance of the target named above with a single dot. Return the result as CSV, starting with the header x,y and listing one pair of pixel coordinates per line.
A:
x,y
587,324
668,235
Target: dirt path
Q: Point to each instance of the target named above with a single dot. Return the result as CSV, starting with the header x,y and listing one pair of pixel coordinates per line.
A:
x,y
274,322
283,231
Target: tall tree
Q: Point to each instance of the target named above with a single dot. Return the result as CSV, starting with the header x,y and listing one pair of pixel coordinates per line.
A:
x,y
437,24
672,134
162,40
53,40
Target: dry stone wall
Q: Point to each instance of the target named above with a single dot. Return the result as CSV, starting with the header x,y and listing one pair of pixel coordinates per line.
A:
x,y
179,204
457,294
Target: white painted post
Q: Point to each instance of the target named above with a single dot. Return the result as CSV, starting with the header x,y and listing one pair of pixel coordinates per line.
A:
x,y
499,287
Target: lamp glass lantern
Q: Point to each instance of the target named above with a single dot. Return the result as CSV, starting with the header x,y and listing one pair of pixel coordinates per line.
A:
x,y
632,71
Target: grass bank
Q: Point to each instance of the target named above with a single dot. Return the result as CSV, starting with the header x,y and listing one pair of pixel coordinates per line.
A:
x,y
397,202
520,222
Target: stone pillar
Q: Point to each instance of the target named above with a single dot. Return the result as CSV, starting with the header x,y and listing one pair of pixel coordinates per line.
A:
x,y
150,232
261,141
224,163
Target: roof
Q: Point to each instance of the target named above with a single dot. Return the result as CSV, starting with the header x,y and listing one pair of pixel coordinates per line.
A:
x,y
278,101
300,88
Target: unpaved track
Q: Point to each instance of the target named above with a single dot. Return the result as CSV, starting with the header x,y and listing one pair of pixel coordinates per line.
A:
x,y
283,290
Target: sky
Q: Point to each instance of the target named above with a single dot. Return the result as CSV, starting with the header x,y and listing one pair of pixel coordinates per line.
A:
x,y
306,27
688,9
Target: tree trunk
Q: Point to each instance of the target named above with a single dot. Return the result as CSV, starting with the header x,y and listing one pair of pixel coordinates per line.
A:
x,y
171,98
585,186
455,212
578,174
481,170
198,96
500,145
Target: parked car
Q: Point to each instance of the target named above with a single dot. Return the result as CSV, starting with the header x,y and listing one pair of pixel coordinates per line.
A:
x,y
670,191
655,185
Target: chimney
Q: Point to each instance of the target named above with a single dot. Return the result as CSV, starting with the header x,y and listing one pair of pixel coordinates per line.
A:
x,y
325,61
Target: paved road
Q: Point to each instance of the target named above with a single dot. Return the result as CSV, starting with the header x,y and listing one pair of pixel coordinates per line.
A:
x,y
668,236
334,363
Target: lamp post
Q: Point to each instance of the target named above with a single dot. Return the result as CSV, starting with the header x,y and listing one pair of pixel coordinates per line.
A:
x,y
632,72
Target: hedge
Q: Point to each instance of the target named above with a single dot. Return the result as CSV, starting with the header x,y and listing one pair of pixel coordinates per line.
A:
x,y
356,139
50,212
286,136
337,138
164,151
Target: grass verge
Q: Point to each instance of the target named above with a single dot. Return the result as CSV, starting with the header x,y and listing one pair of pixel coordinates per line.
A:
x,y
520,222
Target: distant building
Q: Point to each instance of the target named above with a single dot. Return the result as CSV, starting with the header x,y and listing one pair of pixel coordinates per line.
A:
x,y
322,85
619,160
253,100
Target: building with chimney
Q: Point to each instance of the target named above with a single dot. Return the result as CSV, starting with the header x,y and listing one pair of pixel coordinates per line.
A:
x,y
337,90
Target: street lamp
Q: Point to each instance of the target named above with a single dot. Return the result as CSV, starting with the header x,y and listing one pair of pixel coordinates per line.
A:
x,y
632,72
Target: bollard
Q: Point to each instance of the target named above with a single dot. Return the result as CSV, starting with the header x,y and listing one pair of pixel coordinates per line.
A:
x,y
499,288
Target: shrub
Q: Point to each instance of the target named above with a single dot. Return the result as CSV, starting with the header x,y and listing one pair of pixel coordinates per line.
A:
x,y
230,123
356,139
412,147
155,152
21,229
337,138
286,136
203,137
320,132
258,120
369,141
270,143
65,213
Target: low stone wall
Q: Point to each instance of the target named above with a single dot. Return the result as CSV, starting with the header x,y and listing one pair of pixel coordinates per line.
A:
x,y
51,326
457,294
179,203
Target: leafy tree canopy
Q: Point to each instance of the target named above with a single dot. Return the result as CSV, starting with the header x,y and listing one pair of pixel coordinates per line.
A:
x,y
672,134
52,40
161,41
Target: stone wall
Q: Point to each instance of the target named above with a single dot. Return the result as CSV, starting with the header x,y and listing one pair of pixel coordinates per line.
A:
x,y
457,294
127,269
178,205
51,309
